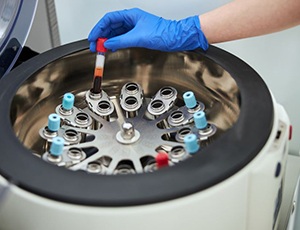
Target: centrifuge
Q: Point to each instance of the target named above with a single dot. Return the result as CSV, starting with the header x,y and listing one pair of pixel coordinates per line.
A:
x,y
172,140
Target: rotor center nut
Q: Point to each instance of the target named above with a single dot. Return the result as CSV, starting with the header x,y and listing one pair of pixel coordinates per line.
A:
x,y
127,134
127,131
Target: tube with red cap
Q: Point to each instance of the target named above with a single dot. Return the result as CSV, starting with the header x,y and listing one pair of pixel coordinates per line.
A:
x,y
99,67
162,159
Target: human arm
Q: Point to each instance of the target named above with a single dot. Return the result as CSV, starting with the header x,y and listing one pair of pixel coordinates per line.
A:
x,y
235,20
249,18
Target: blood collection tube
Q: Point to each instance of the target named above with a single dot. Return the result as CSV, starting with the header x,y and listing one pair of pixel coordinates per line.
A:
x,y
99,67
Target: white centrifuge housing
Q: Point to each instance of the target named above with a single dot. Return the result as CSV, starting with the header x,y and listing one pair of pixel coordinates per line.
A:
x,y
109,175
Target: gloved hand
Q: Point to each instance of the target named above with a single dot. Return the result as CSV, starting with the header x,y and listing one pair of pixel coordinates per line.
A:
x,y
137,28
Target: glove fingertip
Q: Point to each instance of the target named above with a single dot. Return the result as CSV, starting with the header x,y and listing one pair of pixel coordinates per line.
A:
x,y
93,46
91,37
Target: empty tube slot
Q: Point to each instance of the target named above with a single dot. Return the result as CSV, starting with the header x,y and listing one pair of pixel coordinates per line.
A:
x,y
72,135
104,106
167,92
131,102
75,153
105,109
182,133
131,88
94,167
157,105
176,118
82,119
177,154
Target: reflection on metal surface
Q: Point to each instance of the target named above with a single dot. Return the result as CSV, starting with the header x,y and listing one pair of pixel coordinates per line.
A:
x,y
153,71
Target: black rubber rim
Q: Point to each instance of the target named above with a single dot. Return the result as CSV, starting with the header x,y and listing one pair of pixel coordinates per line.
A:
x,y
229,153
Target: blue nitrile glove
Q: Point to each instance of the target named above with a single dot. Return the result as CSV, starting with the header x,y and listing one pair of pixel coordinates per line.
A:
x,y
137,28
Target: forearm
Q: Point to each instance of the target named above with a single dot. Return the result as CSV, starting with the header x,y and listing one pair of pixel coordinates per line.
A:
x,y
248,18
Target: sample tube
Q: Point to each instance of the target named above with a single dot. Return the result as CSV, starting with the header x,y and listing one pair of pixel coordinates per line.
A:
x,y
189,99
99,67
56,150
191,144
53,122
162,160
206,130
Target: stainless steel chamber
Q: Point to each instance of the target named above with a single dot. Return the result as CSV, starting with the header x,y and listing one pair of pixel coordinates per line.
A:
x,y
236,101
149,73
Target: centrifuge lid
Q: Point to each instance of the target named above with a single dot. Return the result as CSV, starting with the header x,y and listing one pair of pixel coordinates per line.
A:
x,y
16,18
